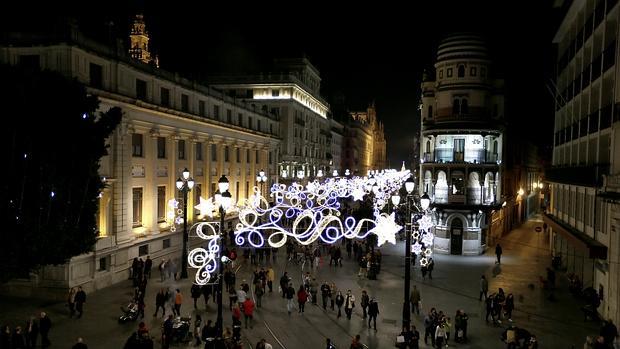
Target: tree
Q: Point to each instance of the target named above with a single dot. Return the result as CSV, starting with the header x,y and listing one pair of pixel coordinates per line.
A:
x,y
52,146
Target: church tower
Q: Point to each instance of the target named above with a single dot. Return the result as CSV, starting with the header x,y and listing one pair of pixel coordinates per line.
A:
x,y
139,37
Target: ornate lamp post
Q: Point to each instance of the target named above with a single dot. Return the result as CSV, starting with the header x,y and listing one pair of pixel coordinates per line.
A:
x,y
261,179
185,184
424,203
223,199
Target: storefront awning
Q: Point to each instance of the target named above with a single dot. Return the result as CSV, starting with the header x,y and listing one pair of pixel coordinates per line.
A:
x,y
578,239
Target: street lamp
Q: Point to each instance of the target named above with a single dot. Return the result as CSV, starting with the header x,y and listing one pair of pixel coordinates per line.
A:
x,y
261,179
185,184
223,199
424,203
335,173
319,174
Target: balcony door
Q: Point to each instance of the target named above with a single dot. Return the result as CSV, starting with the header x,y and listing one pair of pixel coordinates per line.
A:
x,y
459,150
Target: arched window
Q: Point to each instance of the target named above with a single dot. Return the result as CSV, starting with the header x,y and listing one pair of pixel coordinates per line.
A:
x,y
464,107
430,112
495,147
456,106
461,72
428,147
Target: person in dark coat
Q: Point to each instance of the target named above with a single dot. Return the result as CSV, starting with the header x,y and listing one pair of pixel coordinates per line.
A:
x,y
80,299
160,302
45,324
430,267
5,337
196,292
31,332
148,265
373,311
498,253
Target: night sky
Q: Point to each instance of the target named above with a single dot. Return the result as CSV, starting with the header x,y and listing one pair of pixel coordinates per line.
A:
x,y
364,52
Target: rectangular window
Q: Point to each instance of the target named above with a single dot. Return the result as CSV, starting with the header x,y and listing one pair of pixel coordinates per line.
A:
x,y
143,250
240,119
250,123
140,89
213,152
165,244
161,147
164,97
473,71
247,156
161,204
238,154
275,93
449,72
30,61
226,154
136,145
216,111
201,108
199,151
256,157
181,150
96,75
103,263
137,207
229,116
258,125
184,102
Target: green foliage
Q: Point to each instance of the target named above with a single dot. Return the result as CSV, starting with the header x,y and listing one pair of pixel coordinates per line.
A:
x,y
53,143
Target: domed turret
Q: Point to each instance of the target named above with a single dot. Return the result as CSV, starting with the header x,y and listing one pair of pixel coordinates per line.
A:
x,y
462,47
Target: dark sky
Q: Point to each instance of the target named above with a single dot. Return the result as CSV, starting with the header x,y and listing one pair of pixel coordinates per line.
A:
x,y
366,52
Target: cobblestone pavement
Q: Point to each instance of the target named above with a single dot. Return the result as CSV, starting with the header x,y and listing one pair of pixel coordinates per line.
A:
x,y
557,324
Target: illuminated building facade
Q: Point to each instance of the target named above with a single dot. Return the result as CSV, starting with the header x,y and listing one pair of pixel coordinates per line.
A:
x,y
365,146
169,123
292,96
583,181
461,145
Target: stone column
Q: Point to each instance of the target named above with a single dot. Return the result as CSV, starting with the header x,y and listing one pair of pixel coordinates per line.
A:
x,y
122,192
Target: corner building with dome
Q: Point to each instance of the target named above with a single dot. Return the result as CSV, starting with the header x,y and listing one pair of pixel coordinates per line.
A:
x,y
461,143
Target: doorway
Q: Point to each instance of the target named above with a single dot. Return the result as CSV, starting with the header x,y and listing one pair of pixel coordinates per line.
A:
x,y
456,236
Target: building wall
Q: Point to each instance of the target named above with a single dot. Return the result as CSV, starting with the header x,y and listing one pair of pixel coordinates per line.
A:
x,y
208,123
585,139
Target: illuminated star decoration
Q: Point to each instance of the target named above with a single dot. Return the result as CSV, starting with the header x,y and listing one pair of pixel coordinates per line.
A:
x,y
386,229
206,207
358,194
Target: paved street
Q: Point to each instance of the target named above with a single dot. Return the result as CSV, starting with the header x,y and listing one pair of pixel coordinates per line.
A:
x,y
454,286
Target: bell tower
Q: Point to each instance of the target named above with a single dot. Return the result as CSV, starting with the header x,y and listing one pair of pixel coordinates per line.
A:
x,y
139,38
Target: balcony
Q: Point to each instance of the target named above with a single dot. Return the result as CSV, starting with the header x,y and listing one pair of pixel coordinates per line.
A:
x,y
478,156
588,176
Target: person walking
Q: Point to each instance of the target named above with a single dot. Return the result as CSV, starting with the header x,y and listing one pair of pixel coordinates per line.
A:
x,y
162,270
71,301
284,280
349,304
289,293
415,300
364,303
178,301
259,291
373,311
498,253
248,312
80,299
430,267
271,276
509,306
302,297
148,265
160,302
325,294
339,302
167,331
45,324
484,288
440,335
196,292
333,290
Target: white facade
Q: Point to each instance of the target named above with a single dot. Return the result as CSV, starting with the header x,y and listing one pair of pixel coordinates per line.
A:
x,y
461,145
293,98
168,124
584,215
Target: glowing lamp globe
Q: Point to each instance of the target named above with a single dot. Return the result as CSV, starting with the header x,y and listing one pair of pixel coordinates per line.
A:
x,y
186,174
395,200
409,185
223,184
179,183
425,201
190,184
226,200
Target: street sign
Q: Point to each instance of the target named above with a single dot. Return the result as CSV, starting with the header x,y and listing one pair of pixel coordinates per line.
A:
x,y
538,229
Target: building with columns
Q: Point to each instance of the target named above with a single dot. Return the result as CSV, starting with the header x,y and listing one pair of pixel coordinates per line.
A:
x,y
290,94
365,146
461,143
584,181
169,123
